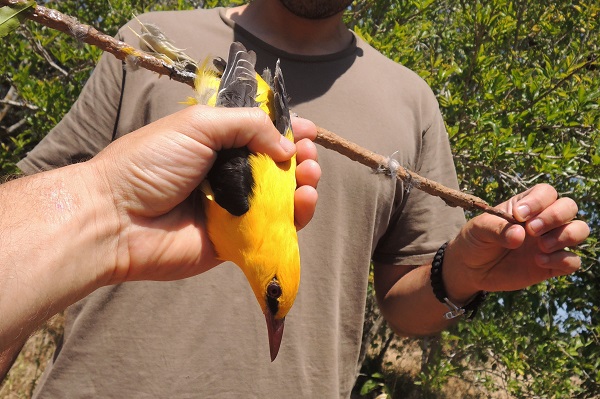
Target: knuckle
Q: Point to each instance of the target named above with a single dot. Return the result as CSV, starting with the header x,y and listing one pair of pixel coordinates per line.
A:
x,y
257,117
572,263
571,206
553,214
262,118
547,189
569,237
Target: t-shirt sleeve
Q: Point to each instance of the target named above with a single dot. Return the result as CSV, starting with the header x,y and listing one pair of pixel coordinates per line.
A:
x,y
89,125
423,222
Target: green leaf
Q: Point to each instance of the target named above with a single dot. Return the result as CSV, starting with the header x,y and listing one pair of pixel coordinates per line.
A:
x,y
11,16
368,387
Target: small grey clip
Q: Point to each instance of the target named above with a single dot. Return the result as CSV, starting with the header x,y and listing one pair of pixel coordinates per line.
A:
x,y
454,312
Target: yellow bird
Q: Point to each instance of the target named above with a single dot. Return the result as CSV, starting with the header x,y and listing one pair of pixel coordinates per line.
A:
x,y
248,198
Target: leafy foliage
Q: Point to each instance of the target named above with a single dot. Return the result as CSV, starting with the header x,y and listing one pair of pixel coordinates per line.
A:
x,y
12,17
518,83
47,69
519,86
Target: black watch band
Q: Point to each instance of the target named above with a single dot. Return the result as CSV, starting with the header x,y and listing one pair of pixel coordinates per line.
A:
x,y
470,309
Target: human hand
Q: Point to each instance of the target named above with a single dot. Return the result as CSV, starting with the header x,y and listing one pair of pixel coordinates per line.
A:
x,y
151,175
493,255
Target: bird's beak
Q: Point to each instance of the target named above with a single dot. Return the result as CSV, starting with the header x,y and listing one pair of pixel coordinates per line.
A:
x,y
275,328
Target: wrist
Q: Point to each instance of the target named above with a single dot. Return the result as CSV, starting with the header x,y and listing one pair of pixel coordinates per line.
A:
x,y
59,246
467,307
459,284
100,223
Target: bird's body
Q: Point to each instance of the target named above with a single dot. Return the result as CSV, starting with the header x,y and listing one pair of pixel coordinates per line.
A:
x,y
249,198
262,241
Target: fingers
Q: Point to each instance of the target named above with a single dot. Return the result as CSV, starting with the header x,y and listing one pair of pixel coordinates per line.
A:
x,y
559,263
555,215
305,202
218,128
533,201
487,229
568,235
544,215
303,129
552,246
550,219
305,149
308,173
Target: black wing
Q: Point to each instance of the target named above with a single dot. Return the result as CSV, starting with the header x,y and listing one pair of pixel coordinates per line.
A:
x,y
231,177
281,107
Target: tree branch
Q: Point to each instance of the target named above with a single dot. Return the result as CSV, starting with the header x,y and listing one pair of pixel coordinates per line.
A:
x,y
42,51
88,34
452,197
17,104
12,128
8,99
69,25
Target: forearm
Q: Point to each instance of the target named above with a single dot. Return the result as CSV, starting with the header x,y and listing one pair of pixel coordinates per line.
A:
x,y
8,356
410,307
56,242
407,300
490,255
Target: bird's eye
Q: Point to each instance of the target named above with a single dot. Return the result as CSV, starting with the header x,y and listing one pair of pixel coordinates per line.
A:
x,y
274,290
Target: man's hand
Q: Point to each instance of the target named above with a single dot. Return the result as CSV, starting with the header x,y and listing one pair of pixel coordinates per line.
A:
x,y
488,254
127,214
152,176
492,255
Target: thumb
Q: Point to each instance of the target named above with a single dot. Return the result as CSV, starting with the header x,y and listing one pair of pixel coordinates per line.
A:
x,y
485,239
485,231
220,128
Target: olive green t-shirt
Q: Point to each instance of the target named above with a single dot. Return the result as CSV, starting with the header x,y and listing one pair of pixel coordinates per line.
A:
x,y
205,337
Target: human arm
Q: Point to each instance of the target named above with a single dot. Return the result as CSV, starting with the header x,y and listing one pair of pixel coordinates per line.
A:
x,y
9,354
488,254
77,137
127,214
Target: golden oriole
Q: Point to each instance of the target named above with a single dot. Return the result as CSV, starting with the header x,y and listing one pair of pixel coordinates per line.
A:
x,y
248,198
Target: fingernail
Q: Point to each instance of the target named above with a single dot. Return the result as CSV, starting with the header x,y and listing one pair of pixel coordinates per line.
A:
x,y
286,144
523,211
536,225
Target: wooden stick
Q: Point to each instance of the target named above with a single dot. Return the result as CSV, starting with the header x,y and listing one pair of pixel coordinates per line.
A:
x,y
452,197
71,26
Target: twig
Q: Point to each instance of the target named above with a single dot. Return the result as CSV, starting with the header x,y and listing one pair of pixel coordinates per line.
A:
x,y
12,128
19,104
45,54
69,25
452,197
88,34
10,97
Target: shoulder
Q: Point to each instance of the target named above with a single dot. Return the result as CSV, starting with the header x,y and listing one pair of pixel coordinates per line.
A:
x,y
395,80
178,17
200,33
175,23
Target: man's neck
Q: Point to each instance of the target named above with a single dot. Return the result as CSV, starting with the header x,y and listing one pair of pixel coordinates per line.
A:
x,y
271,22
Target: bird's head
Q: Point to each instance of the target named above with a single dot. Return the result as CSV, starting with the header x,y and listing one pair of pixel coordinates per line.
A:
x,y
275,286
